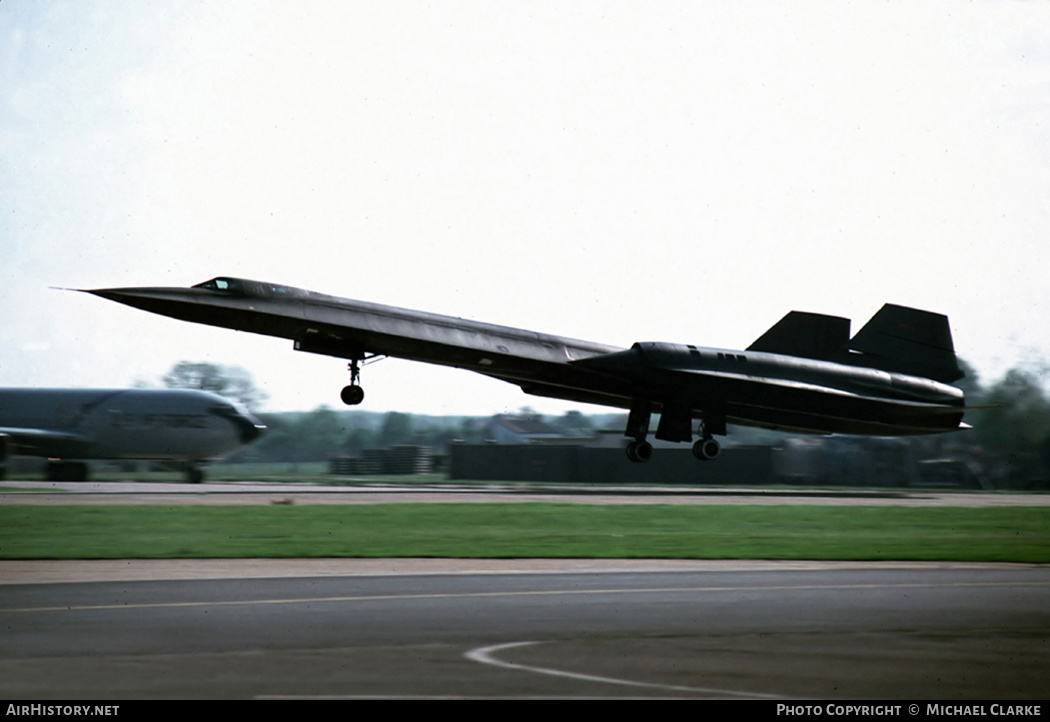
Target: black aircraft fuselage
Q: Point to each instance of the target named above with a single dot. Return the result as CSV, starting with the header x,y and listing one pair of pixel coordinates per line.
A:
x,y
805,374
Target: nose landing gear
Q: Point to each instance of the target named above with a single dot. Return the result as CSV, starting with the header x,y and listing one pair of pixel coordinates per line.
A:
x,y
353,394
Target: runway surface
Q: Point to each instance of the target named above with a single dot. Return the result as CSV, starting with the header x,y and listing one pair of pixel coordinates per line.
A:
x,y
126,629
24,493
915,631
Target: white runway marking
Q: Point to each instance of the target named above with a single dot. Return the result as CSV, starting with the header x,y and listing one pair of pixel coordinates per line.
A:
x,y
535,593
483,655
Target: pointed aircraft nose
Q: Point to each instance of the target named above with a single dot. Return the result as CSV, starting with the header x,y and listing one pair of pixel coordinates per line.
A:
x,y
113,294
186,304
157,300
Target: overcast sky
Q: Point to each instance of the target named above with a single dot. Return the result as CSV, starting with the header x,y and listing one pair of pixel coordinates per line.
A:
x,y
611,171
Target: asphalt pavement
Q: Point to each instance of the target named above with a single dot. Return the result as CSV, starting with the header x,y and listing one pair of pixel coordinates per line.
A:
x,y
915,631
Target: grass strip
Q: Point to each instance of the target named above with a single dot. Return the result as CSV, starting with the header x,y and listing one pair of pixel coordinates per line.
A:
x,y
532,530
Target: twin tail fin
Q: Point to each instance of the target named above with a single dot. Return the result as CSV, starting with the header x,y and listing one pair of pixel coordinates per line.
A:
x,y
897,338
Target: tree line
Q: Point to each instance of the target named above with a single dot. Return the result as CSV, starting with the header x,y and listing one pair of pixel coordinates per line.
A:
x,y
1013,417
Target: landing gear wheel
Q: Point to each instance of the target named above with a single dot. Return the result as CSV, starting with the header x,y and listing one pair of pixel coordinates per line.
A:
x,y
352,395
639,451
706,449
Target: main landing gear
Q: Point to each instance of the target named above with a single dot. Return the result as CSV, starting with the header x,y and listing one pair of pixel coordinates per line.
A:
x,y
706,447
675,425
639,451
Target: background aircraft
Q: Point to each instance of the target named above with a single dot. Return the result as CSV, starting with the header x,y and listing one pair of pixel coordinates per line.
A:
x,y
181,428
806,374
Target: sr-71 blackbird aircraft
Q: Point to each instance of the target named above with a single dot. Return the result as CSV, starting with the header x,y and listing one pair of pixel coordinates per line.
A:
x,y
181,428
805,374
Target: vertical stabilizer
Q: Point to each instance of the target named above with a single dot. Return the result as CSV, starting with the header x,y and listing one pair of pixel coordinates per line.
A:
x,y
809,335
909,341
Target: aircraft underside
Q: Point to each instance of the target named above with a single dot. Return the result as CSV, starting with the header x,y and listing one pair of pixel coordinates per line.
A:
x,y
681,399
756,404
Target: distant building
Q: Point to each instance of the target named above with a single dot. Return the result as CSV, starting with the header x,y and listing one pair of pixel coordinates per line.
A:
x,y
521,429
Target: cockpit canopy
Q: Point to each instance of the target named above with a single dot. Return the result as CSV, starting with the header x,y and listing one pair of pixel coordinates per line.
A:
x,y
222,284
254,289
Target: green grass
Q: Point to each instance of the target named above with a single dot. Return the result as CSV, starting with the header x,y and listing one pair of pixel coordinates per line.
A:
x,y
1015,534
